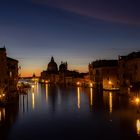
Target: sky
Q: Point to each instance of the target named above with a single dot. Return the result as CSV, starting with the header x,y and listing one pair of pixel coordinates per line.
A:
x,y
76,31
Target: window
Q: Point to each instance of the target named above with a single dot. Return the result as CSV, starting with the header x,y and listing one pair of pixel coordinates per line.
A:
x,y
10,74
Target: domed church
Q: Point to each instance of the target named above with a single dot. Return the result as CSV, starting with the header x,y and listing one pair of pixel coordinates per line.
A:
x,y
52,67
51,74
62,76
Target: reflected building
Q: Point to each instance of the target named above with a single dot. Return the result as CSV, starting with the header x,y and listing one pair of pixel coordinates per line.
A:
x,y
8,116
53,96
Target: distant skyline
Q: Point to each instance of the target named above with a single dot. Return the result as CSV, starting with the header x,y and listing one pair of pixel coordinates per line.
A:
x,y
76,31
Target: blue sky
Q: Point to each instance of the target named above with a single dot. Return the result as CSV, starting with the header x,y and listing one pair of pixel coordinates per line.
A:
x,y
74,31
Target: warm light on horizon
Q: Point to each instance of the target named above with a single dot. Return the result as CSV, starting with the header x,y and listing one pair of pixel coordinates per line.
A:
x,y
27,71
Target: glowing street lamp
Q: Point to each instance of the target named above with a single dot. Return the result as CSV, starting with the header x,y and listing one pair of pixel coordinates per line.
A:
x,y
78,83
137,100
110,82
91,85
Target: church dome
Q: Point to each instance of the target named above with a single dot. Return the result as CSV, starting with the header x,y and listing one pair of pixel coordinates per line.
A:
x,y
52,66
63,67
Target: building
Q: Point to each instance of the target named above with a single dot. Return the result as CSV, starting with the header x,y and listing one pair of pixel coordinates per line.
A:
x,y
63,70
104,73
51,73
8,74
61,76
129,70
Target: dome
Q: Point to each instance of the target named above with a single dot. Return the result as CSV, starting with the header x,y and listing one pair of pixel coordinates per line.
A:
x,y
63,67
52,66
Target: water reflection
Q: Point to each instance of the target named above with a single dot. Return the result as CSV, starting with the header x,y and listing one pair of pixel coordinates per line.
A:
x,y
34,91
2,114
54,112
33,100
53,94
110,102
91,96
8,116
46,92
138,126
78,97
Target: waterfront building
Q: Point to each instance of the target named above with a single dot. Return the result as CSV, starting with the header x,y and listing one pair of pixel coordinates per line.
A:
x,y
8,74
104,74
51,74
61,76
63,70
129,70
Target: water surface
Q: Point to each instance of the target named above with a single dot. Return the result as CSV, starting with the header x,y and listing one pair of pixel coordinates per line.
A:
x,y
51,112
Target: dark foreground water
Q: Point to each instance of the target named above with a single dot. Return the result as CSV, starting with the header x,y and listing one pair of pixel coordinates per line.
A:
x,y
53,113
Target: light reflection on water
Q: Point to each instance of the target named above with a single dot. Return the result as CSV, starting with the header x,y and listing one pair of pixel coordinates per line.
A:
x,y
91,96
110,102
138,126
72,113
2,114
78,97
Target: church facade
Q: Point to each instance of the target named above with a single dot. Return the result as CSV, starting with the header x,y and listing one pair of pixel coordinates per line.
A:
x,y
55,74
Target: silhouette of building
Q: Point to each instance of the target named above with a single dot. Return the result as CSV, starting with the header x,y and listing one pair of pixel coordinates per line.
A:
x,y
51,74
61,76
104,73
8,73
63,70
52,67
129,70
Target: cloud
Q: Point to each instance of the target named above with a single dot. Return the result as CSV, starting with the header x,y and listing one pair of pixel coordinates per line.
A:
x,y
120,11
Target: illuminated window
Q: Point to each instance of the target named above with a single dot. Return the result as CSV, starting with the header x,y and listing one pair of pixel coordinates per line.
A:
x,y
10,74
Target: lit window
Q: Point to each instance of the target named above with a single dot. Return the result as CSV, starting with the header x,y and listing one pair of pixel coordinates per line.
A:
x,y
10,74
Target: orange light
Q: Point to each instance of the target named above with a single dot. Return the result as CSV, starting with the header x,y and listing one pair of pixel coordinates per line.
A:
x,y
138,126
78,83
109,82
3,95
137,100
91,85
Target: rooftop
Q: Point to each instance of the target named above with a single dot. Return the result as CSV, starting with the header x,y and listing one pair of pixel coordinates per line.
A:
x,y
104,63
3,49
130,56
11,59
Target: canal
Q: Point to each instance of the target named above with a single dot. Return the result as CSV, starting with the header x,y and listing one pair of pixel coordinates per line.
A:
x,y
51,112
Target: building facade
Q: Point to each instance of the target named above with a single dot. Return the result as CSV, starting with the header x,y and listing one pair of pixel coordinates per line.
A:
x,y
61,76
51,73
129,70
8,73
104,74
